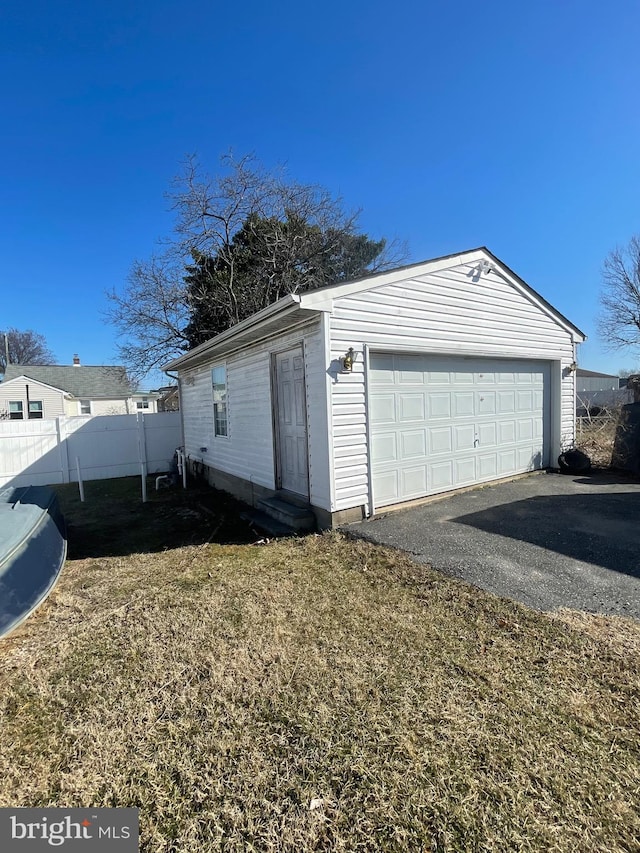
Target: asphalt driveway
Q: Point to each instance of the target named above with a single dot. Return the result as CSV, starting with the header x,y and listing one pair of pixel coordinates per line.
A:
x,y
547,540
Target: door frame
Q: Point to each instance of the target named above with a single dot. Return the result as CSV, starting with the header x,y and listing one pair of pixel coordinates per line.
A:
x,y
275,412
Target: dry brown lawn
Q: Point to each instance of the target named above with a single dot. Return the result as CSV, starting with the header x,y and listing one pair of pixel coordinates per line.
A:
x,y
317,694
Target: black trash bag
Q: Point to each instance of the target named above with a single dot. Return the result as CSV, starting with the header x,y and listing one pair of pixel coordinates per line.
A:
x,y
574,462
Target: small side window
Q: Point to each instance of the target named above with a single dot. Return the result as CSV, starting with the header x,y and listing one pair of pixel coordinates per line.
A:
x,y
15,410
35,409
219,386
85,407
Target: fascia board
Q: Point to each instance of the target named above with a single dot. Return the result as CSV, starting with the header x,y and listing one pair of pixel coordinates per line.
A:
x,y
23,378
289,304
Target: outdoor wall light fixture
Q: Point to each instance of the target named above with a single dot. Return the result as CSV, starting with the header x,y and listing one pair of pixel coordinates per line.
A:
x,y
347,360
573,366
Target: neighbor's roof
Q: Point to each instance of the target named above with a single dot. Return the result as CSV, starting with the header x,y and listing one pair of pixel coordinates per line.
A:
x,y
592,374
300,307
87,381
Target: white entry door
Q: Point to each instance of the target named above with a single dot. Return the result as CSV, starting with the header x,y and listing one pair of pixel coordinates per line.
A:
x,y
293,466
442,422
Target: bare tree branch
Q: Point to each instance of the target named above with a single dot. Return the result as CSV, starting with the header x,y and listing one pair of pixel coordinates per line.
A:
x,y
243,238
619,321
27,347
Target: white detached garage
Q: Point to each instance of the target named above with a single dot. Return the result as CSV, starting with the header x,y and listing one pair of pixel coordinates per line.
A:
x,y
371,393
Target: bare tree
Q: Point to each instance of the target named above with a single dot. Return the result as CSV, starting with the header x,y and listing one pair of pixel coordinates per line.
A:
x,y
243,238
26,347
620,299
151,314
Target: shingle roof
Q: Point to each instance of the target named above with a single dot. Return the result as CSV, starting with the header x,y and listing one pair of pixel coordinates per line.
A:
x,y
90,382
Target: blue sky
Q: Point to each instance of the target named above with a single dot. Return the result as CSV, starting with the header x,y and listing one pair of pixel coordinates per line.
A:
x,y
451,125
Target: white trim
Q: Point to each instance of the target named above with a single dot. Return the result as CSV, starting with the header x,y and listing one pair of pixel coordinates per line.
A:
x,y
325,331
212,367
285,305
370,509
531,355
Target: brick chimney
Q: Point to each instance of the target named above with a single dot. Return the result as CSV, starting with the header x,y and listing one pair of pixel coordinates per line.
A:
x,y
76,360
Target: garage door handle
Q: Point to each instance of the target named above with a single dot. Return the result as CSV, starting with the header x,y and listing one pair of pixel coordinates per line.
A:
x,y
476,441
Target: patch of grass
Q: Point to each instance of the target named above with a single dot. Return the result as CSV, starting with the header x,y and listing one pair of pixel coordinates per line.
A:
x,y
321,694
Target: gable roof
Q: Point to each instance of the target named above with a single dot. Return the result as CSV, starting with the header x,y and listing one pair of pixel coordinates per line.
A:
x,y
296,308
82,381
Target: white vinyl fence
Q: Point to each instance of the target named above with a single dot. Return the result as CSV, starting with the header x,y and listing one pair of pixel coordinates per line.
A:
x,y
41,453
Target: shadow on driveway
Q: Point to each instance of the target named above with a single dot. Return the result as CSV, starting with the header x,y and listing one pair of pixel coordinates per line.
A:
x,y
601,529
548,540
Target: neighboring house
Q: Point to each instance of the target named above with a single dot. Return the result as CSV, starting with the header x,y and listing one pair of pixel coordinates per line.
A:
x,y
34,391
595,391
362,395
168,399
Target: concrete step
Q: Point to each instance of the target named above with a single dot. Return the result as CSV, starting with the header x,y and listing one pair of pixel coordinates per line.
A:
x,y
267,524
300,519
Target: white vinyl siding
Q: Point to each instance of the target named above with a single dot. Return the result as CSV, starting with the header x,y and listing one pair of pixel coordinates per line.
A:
x,y
248,452
15,390
453,311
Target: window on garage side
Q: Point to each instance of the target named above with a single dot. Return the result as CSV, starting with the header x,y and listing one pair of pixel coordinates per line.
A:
x,y
219,387
35,410
15,410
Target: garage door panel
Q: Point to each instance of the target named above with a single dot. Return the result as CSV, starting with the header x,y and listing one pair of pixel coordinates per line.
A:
x,y
413,444
506,432
410,369
463,404
465,471
440,440
463,436
385,487
439,405
506,402
525,430
441,422
414,481
488,435
384,447
441,475
383,408
524,401
486,404
438,377
487,466
507,462
411,407
381,368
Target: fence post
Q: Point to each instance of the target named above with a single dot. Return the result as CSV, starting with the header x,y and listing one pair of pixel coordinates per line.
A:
x,y
63,450
142,455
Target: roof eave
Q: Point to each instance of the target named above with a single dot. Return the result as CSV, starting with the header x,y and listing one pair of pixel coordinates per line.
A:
x,y
275,317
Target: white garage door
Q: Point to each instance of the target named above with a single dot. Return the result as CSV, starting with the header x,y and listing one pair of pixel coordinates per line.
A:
x,y
441,422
